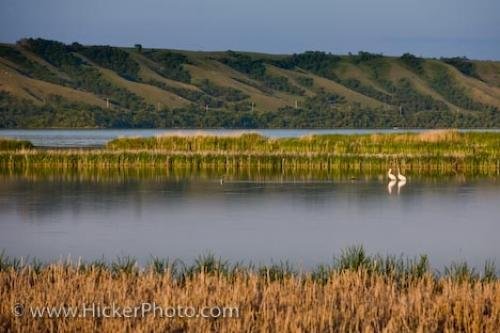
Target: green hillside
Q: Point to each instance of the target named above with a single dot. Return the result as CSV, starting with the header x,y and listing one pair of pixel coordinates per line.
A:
x,y
50,84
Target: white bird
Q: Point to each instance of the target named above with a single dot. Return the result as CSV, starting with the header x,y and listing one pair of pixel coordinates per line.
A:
x,y
401,177
390,175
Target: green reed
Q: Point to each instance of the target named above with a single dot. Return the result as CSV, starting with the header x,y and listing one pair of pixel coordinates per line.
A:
x,y
351,259
426,143
436,152
11,144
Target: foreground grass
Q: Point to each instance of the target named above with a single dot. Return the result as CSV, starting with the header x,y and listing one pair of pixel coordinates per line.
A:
x,y
357,292
434,152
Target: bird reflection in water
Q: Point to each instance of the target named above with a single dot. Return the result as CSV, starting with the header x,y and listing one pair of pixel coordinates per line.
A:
x,y
401,184
390,186
399,179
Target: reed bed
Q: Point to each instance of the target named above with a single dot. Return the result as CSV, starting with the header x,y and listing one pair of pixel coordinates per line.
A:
x,y
12,144
357,293
427,153
436,142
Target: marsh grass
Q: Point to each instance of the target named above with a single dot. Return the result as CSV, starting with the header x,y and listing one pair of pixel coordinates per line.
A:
x,y
356,292
461,272
428,142
354,258
278,271
12,144
160,265
124,265
443,153
208,264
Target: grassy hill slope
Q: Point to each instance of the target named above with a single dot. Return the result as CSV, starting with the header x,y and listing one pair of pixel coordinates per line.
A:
x,y
70,86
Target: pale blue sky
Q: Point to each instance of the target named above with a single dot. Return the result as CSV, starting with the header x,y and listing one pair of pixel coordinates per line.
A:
x,y
424,27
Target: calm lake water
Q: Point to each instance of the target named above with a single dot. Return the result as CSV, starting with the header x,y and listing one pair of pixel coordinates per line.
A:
x,y
259,220
99,137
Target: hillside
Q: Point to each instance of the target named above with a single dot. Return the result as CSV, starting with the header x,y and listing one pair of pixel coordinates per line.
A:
x,y
49,84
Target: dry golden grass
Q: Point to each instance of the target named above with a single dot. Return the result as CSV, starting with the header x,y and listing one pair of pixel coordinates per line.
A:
x,y
349,301
430,136
37,90
150,93
201,134
398,71
478,90
227,77
489,71
439,136
351,95
204,65
147,74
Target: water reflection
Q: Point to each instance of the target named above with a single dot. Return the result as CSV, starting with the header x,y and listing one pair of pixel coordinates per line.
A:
x,y
391,185
401,184
247,217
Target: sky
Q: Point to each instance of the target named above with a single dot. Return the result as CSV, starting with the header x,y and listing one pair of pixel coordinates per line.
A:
x,y
431,28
